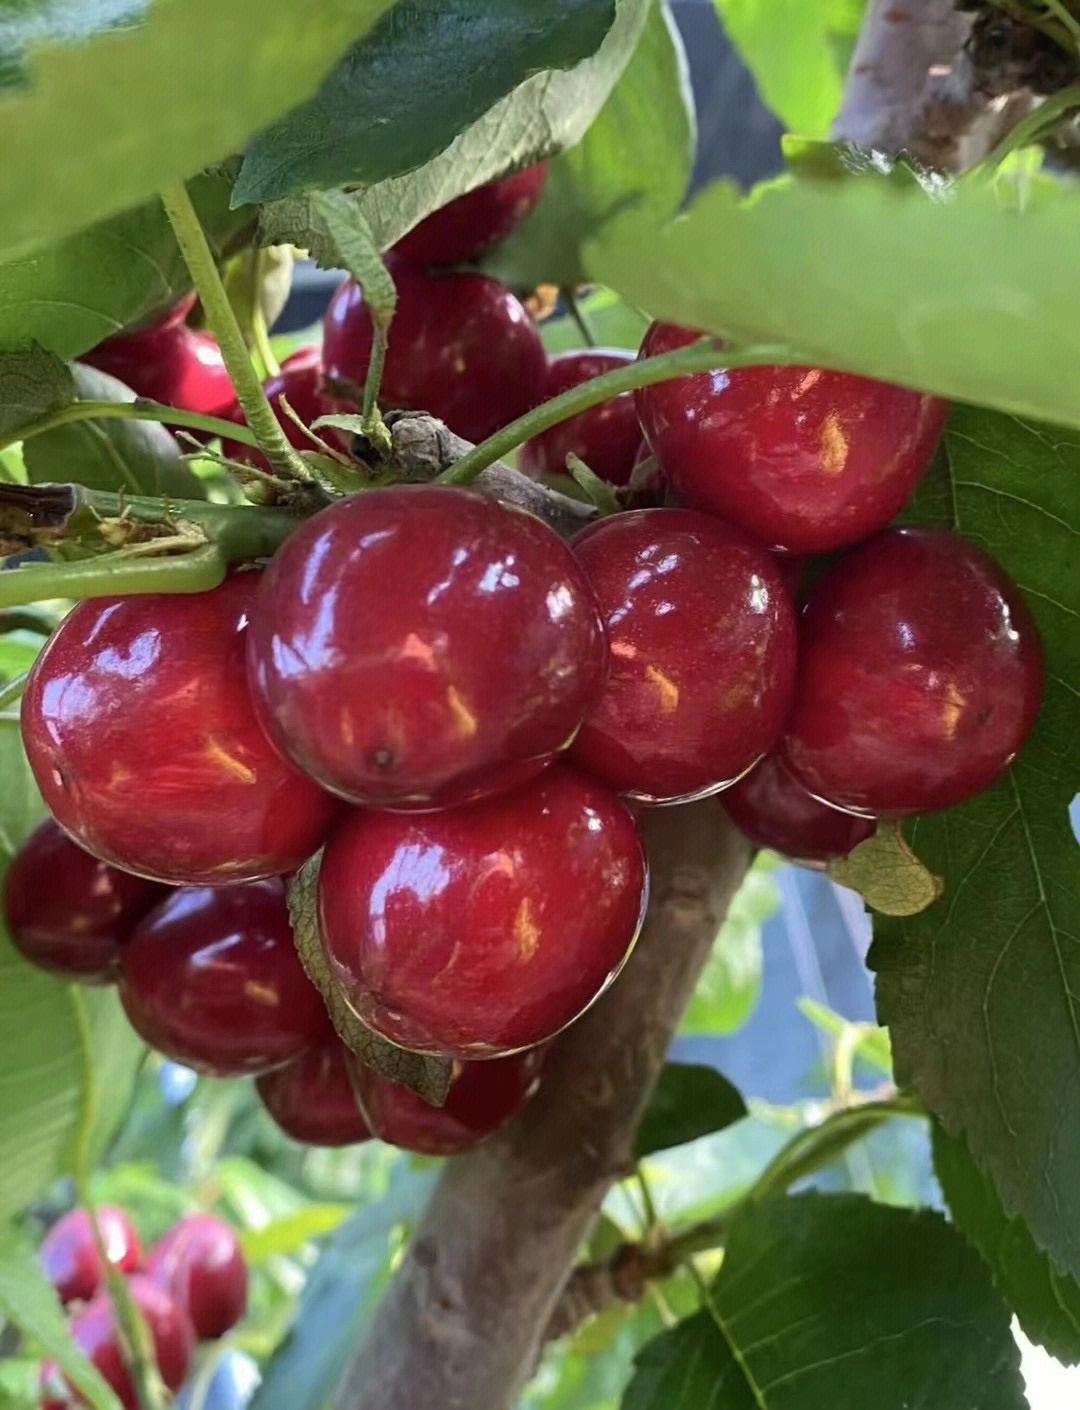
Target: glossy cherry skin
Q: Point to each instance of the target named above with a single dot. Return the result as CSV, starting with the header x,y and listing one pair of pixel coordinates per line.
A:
x,y
483,1096
312,1099
200,1263
299,383
803,459
606,437
461,347
169,363
144,743
66,911
920,676
69,1253
96,1332
211,979
482,930
468,225
701,638
774,810
420,645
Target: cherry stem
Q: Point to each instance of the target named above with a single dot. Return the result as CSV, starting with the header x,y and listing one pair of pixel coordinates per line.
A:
x,y
14,688
577,315
199,258
139,410
369,407
705,355
115,575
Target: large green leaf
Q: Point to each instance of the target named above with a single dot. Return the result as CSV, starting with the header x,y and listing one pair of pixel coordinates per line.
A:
x,y
980,991
968,295
798,52
548,111
830,1300
395,102
690,1101
639,151
100,126
1046,1301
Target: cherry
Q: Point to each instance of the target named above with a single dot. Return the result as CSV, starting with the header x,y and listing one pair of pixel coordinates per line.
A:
x,y
69,1251
300,384
701,636
211,979
169,363
136,716
66,911
920,676
606,437
312,1099
481,930
802,458
774,810
201,1265
96,1332
466,226
461,347
419,645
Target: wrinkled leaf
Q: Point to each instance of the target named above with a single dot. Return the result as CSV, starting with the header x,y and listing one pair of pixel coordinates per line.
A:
x,y
331,227
690,1101
32,384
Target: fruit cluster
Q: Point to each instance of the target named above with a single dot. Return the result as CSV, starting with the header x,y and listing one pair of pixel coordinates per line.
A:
x,y
191,1286
461,709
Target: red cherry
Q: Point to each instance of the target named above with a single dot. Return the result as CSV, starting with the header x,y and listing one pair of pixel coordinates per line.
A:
x,y
482,930
701,637
607,437
169,363
300,384
96,1332
201,1265
482,1097
466,226
211,979
461,347
804,459
66,911
312,1098
421,645
142,738
920,676
774,810
69,1253
173,316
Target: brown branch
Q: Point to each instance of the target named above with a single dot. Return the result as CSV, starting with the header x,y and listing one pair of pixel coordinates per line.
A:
x,y
467,1311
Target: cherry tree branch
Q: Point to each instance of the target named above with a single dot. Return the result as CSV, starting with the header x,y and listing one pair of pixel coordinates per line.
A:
x,y
466,1314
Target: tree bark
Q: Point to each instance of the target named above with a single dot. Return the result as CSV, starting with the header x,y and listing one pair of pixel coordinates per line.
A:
x,y
464,1319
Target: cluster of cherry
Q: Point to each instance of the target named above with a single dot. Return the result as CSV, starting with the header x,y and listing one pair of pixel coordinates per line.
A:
x,y
191,1286
463,709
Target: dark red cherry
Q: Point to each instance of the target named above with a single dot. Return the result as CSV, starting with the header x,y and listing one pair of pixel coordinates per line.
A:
x,y
420,645
69,1252
142,738
482,1097
607,437
175,314
201,1265
466,226
96,1332
169,363
300,384
211,979
701,638
461,347
920,676
485,929
66,911
774,810
803,459
312,1098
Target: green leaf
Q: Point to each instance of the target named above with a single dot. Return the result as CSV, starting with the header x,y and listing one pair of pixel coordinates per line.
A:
x,y
331,227
549,111
28,23
31,384
400,72
639,152
980,991
798,52
292,1232
830,1300
867,1040
730,984
690,1101
101,126
28,1301
887,874
612,324
966,294
1046,1301
138,456
70,295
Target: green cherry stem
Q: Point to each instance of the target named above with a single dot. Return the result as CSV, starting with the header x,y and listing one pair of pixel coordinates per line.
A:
x,y
219,314
138,410
13,690
115,574
702,356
